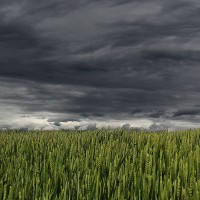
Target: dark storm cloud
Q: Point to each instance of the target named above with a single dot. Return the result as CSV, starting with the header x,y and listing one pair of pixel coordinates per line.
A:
x,y
62,119
189,112
157,114
136,110
100,59
82,102
57,123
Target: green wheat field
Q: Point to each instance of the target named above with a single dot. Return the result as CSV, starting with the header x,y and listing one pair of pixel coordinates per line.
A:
x,y
100,164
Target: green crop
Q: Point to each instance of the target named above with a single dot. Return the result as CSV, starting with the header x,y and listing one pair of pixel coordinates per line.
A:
x,y
100,164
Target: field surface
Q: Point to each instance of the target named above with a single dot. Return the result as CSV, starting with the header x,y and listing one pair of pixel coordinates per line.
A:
x,y
100,164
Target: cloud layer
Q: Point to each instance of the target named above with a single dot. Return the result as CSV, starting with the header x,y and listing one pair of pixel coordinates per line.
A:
x,y
87,62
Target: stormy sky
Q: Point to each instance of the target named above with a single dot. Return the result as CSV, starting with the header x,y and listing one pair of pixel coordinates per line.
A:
x,y
85,63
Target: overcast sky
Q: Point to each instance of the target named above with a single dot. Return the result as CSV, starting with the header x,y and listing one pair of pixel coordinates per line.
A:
x,y
76,63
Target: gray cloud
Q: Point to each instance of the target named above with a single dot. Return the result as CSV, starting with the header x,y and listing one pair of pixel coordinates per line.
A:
x,y
158,127
194,111
100,60
57,123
